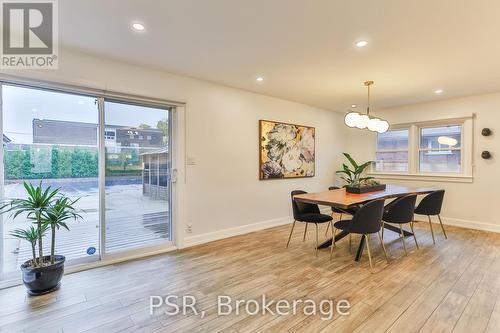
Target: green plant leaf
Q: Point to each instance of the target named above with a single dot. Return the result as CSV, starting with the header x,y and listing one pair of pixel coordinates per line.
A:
x,y
348,181
30,234
353,176
344,172
351,160
363,166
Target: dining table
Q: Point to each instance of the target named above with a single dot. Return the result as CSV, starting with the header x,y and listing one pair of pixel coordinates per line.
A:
x,y
343,200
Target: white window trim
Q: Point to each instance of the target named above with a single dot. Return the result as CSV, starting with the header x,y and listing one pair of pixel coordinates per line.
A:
x,y
467,153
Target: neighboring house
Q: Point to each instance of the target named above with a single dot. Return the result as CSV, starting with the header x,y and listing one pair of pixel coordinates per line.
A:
x,y
85,134
64,132
139,137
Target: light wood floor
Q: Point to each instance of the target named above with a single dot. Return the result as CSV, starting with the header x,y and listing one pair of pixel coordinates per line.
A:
x,y
451,286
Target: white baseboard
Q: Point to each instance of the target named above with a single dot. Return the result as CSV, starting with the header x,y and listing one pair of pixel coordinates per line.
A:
x,y
465,224
230,232
244,229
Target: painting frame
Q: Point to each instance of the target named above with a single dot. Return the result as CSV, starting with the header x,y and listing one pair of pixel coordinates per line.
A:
x,y
264,158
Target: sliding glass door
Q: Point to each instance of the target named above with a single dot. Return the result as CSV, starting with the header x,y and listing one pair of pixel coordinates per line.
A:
x,y
137,176
50,138
113,155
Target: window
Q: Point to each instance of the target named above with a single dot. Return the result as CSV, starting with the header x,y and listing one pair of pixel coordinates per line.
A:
x,y
440,149
109,135
431,149
392,151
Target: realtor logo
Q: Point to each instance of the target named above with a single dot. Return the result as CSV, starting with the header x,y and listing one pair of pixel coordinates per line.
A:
x,y
29,34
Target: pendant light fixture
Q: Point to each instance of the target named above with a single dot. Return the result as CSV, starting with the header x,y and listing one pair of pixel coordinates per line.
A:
x,y
362,121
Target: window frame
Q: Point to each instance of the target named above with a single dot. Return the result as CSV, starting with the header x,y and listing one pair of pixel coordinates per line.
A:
x,y
414,136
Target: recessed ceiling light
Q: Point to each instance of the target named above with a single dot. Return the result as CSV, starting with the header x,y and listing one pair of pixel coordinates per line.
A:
x,y
354,106
138,27
361,43
259,79
438,91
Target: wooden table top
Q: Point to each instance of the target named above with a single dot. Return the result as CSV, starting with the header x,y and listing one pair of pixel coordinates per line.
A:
x,y
341,199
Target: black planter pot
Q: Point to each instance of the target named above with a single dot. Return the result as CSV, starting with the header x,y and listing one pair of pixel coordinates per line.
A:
x,y
364,189
43,280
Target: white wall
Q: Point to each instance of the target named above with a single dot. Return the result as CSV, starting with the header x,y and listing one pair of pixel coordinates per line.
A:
x,y
222,189
476,204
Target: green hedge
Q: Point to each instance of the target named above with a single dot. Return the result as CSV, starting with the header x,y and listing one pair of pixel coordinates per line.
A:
x,y
62,162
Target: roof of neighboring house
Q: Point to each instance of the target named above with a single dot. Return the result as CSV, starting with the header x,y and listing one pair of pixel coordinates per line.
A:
x,y
156,151
75,123
6,139
82,124
144,130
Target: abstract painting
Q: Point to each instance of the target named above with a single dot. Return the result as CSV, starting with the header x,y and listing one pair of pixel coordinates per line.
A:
x,y
286,150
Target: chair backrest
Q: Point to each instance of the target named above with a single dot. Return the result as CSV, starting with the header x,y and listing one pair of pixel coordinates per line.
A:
x,y
368,219
431,204
400,210
301,208
331,188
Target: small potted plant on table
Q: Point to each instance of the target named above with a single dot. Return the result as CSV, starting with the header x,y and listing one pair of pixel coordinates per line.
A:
x,y
46,209
356,183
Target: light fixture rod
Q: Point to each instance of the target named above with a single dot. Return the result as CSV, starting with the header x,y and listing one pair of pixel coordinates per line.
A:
x,y
368,84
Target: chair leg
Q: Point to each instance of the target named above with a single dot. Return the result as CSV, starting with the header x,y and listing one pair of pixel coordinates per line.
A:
x,y
442,227
403,238
327,228
317,242
290,236
350,242
383,247
305,232
432,232
333,236
333,243
414,236
383,229
367,241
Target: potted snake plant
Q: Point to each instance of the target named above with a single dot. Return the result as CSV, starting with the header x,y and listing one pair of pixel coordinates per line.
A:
x,y
48,210
354,177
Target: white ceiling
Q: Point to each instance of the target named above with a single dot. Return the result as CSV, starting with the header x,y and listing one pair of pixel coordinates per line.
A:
x,y
304,48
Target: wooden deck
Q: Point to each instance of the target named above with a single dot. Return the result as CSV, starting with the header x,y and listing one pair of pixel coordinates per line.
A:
x,y
451,286
122,234
133,220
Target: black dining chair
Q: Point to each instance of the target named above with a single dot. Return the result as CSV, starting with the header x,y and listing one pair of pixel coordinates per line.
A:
x,y
366,221
400,211
307,213
431,205
348,211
